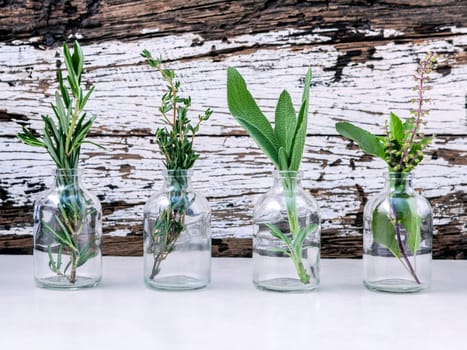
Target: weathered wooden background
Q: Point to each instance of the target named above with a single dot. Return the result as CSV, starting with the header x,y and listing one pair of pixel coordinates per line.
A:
x,y
362,53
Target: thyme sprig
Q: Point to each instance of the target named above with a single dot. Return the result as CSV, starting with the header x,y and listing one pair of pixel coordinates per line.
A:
x,y
175,140
62,138
177,137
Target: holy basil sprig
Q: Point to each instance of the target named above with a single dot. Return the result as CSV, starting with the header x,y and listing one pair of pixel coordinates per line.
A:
x,y
175,140
63,136
402,149
283,144
402,146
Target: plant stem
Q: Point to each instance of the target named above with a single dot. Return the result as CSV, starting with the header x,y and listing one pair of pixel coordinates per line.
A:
x,y
158,258
171,222
419,112
289,184
73,219
74,264
401,246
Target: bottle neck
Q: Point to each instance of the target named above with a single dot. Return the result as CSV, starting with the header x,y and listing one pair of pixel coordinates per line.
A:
x,y
177,180
65,178
398,182
287,179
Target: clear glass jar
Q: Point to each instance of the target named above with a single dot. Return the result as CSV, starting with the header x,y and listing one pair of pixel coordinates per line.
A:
x,y
67,235
177,235
397,238
286,240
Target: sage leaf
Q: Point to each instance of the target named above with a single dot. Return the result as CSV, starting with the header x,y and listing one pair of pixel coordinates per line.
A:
x,y
306,91
279,235
267,146
243,107
301,236
368,142
285,121
283,160
298,143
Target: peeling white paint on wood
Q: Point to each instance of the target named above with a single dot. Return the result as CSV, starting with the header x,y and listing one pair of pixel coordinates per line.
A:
x,y
232,171
128,92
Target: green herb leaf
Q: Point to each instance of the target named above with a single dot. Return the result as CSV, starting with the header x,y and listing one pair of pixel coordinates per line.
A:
x,y
52,264
384,232
59,257
407,215
306,92
368,142
279,235
244,108
396,128
285,122
86,97
78,60
28,138
298,143
85,253
300,238
267,146
283,159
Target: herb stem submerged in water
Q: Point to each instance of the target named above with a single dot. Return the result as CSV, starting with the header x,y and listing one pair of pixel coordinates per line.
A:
x,y
284,145
63,140
402,150
175,141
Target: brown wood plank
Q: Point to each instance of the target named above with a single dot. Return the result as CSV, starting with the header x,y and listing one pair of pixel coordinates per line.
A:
x,y
52,21
354,82
362,53
445,246
232,176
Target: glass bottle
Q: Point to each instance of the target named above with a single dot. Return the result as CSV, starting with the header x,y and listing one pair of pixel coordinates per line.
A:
x,y
397,238
177,235
286,239
67,235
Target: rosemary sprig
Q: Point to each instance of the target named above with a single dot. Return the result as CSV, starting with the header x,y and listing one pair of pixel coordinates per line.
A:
x,y
62,138
175,140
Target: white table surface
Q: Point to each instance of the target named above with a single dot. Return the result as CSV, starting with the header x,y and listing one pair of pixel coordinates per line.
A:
x,y
121,313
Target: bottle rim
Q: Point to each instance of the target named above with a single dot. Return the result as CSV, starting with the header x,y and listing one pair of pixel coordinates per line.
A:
x,y
177,172
398,175
288,173
68,172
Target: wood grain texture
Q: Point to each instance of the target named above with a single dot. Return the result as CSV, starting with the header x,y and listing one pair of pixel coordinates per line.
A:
x,y
232,176
51,21
128,92
363,54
